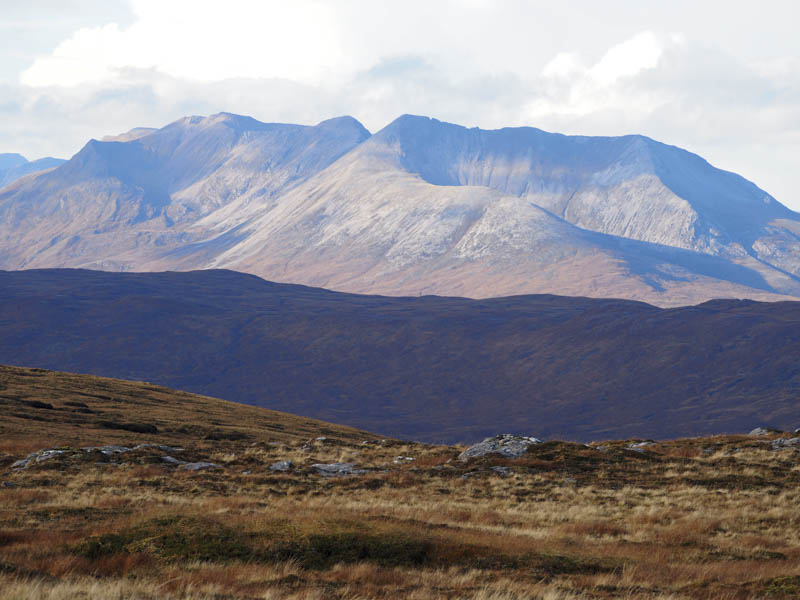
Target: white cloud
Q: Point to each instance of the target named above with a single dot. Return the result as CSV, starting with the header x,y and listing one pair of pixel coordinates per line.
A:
x,y
198,39
565,65
571,88
630,57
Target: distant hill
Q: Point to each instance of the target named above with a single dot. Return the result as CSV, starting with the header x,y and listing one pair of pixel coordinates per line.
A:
x,y
10,160
428,368
420,207
16,166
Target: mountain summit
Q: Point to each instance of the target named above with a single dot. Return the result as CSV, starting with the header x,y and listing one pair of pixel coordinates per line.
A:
x,y
422,206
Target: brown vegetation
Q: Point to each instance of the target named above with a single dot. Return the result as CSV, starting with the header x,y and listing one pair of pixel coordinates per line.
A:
x,y
704,518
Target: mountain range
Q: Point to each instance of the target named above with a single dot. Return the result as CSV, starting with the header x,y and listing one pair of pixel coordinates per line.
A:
x,y
431,368
420,207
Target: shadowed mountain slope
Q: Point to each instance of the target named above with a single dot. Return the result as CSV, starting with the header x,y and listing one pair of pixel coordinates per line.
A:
x,y
429,368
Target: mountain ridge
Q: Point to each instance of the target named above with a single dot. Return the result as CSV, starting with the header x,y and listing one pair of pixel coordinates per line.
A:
x,y
639,154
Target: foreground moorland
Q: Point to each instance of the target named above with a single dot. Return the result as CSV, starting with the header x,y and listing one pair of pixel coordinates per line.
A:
x,y
199,510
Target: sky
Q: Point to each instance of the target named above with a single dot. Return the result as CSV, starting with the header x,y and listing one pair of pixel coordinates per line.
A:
x,y
719,78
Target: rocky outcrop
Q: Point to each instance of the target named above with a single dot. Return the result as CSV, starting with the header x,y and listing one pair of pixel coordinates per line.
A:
x,y
337,469
112,450
639,446
502,471
200,466
785,443
37,457
506,445
762,431
108,454
282,466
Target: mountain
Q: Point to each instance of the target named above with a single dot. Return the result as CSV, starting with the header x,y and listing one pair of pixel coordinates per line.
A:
x,y
428,368
11,160
117,204
428,207
629,186
421,207
15,166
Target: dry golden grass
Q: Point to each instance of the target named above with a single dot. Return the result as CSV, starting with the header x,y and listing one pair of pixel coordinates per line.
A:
x,y
712,518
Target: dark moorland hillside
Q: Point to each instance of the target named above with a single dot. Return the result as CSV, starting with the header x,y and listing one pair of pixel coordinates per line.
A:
x,y
46,408
427,368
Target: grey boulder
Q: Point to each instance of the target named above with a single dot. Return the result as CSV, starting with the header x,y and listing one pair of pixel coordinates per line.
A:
x,y
281,466
782,443
107,450
337,469
506,445
200,466
37,457
762,431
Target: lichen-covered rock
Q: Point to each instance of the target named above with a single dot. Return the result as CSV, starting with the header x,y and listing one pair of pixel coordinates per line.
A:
x,y
507,445
39,456
200,466
762,431
162,447
281,466
107,450
639,446
337,469
398,460
782,443
112,450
